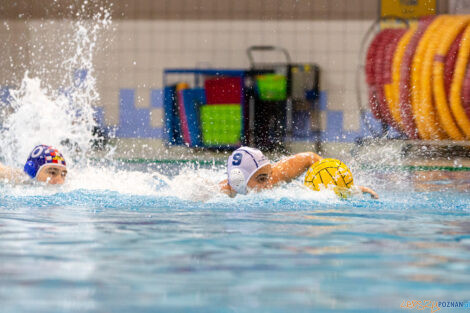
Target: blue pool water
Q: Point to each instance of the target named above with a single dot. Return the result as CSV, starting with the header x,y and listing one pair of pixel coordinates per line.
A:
x,y
84,249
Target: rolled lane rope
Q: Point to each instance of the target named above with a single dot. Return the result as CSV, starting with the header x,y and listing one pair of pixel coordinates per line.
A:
x,y
419,78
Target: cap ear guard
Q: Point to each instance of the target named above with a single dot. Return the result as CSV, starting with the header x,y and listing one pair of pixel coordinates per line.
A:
x,y
30,169
237,181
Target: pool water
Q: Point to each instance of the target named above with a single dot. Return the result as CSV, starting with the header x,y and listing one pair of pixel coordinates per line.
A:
x,y
86,249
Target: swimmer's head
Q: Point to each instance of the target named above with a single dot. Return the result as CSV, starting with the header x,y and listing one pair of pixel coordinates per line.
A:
x,y
242,166
46,164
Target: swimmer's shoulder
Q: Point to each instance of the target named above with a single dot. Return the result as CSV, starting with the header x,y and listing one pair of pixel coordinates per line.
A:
x,y
13,175
292,166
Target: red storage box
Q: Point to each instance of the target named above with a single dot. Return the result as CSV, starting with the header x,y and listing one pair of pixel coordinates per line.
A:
x,y
223,90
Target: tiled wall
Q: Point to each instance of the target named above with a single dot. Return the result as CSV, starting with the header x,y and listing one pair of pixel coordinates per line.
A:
x,y
148,36
143,49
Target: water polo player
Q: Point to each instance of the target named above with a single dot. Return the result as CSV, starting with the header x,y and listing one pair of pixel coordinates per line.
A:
x,y
248,169
44,164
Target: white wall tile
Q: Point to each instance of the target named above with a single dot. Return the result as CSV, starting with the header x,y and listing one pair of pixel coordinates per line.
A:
x,y
156,117
351,121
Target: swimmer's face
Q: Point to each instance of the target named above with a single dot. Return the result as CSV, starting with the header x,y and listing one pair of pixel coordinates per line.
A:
x,y
261,179
52,174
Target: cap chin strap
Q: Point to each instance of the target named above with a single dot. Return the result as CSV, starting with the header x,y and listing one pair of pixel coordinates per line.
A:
x,y
237,181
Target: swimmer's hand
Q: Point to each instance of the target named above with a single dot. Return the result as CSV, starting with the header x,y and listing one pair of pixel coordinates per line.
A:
x,y
225,188
372,193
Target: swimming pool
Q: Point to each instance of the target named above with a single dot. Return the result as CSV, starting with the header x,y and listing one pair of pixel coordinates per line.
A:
x,y
115,249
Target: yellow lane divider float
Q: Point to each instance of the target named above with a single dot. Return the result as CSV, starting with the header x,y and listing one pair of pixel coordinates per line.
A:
x,y
417,95
450,32
422,102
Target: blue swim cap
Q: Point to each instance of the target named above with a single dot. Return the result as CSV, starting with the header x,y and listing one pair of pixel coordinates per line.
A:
x,y
40,156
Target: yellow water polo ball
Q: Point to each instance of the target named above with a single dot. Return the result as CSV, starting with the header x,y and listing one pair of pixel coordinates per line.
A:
x,y
330,173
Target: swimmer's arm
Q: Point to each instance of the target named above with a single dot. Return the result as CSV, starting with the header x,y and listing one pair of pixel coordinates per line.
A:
x,y
225,188
372,193
12,175
292,167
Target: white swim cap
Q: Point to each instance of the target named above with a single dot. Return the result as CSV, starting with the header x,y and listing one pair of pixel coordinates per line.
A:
x,y
242,164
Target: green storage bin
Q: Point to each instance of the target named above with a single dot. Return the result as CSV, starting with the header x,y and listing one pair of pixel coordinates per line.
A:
x,y
272,87
221,124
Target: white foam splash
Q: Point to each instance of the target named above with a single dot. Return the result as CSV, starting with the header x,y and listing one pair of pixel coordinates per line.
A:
x,y
39,119
195,184
63,117
203,185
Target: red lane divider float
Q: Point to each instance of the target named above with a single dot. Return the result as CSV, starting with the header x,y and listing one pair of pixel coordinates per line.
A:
x,y
386,79
466,92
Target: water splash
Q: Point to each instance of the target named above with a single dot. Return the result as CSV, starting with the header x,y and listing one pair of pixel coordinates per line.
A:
x,y
40,119
378,166
61,115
